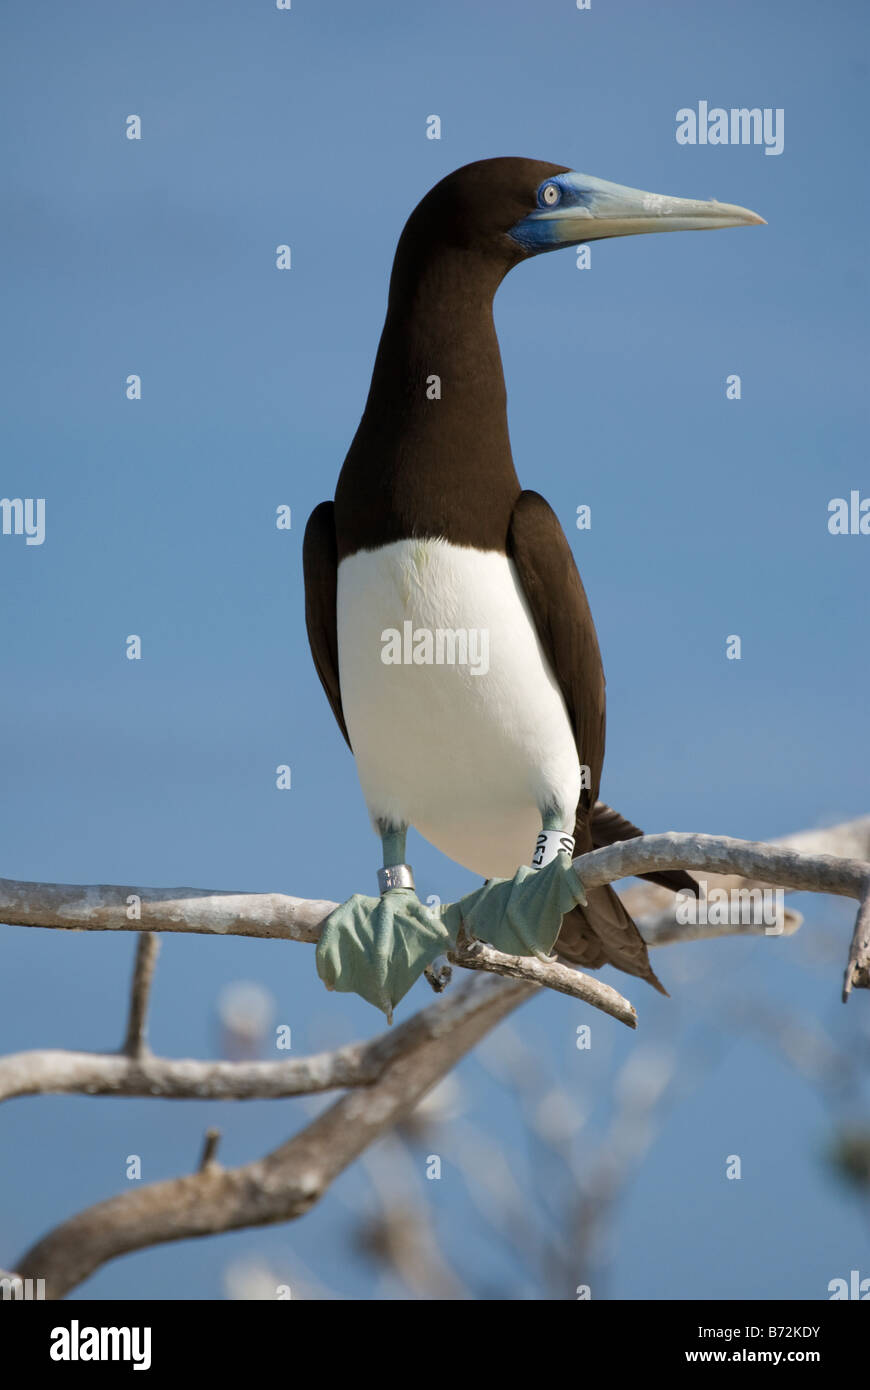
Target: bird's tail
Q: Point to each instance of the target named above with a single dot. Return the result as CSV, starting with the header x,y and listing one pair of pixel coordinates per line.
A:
x,y
604,933
608,826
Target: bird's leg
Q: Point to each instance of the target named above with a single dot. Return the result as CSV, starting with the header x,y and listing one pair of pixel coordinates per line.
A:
x,y
378,947
522,915
551,841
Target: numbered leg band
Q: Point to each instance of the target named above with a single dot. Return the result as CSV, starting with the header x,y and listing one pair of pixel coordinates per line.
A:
x,y
396,876
549,844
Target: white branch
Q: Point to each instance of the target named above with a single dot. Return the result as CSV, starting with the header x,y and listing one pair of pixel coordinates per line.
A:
x,y
137,1073
565,979
100,907
169,1078
288,1181
135,1043
103,907
776,866
387,1076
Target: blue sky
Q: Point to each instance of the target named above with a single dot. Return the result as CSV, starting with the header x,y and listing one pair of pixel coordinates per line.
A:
x,y
157,257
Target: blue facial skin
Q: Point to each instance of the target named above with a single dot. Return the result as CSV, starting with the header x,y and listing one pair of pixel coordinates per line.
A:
x,y
538,232
574,208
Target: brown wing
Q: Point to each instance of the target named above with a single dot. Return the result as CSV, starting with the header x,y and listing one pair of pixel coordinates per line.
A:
x,y
560,610
602,932
320,569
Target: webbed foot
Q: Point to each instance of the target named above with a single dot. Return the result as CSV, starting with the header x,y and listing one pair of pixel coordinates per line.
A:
x,y
378,947
521,915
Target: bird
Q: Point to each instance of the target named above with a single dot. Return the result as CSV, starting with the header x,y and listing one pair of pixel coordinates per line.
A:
x,y
430,532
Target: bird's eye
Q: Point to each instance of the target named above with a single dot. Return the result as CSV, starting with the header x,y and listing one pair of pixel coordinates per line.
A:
x,y
550,195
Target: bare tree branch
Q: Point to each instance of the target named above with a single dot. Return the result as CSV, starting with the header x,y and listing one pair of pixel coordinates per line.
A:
x,y
748,864
403,1234
113,1074
858,964
103,907
147,950
773,865
565,979
360,1065
654,907
209,1149
292,1178
100,907
390,1074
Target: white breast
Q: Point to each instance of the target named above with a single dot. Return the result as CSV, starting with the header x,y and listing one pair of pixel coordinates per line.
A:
x,y
455,719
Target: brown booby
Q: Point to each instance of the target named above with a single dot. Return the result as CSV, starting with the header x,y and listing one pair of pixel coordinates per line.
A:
x,y
432,552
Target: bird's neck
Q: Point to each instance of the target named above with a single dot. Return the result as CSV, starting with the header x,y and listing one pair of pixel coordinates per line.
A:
x,y
432,454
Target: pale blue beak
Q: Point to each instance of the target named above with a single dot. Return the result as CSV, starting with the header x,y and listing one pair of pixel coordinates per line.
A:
x,y
573,208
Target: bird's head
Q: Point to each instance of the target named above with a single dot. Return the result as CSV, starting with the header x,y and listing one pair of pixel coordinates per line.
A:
x,y
505,210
